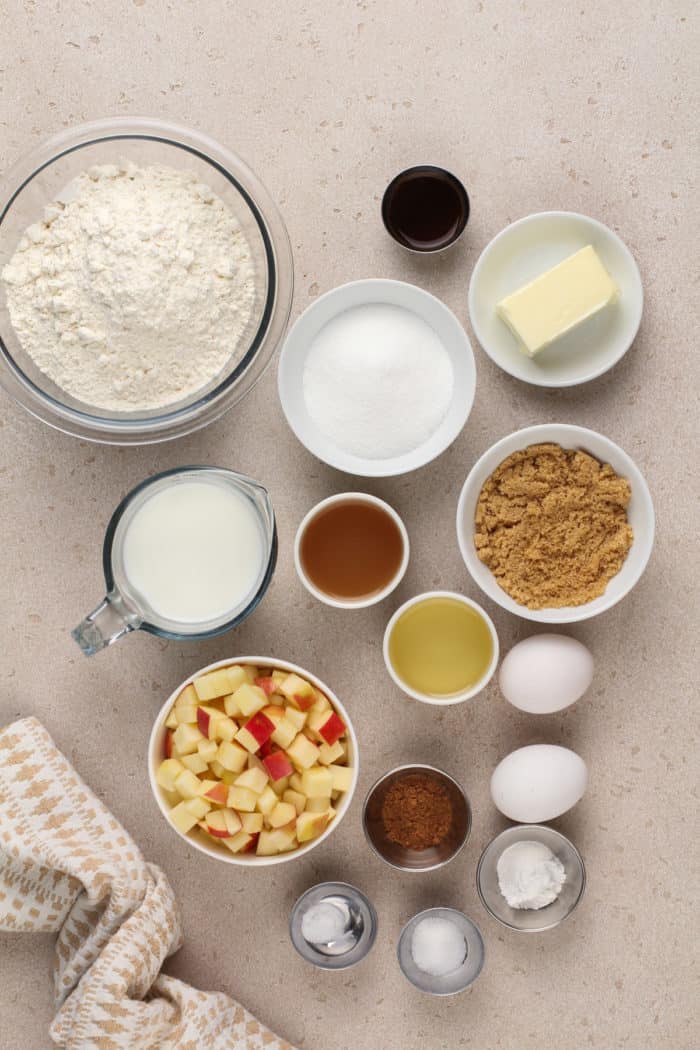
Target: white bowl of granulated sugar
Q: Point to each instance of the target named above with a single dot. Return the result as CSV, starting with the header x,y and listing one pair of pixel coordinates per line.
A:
x,y
377,378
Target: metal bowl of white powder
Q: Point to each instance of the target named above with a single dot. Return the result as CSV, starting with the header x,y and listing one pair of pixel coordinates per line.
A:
x,y
145,281
377,377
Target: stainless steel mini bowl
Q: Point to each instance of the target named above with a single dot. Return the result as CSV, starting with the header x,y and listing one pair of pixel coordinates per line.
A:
x,y
456,981
416,860
359,935
528,920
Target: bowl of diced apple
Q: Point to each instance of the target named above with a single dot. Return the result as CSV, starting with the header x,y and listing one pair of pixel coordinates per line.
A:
x,y
253,761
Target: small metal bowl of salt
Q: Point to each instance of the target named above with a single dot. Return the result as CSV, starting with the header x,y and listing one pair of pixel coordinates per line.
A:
x,y
441,951
333,925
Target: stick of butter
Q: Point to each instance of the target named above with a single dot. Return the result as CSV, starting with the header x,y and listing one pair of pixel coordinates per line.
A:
x,y
558,300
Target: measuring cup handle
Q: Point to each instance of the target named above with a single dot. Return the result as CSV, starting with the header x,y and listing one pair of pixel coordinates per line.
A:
x,y
105,625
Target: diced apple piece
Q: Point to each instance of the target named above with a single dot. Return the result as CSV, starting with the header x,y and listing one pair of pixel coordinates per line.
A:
x,y
267,801
342,777
237,676
213,684
283,813
321,702
296,717
238,843
252,822
186,739
187,698
183,819
207,749
186,715
280,786
277,841
310,825
171,797
243,799
295,782
275,712
187,784
249,699
207,717
314,722
267,684
296,799
225,728
214,790
333,728
231,706
199,806
195,763
171,721
317,782
303,752
223,823
231,756
299,692
233,821
168,772
278,765
317,805
279,676
329,753
255,732
253,778
216,767
284,733
228,776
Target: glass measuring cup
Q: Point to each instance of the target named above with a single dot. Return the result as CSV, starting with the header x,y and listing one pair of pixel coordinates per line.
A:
x,y
125,609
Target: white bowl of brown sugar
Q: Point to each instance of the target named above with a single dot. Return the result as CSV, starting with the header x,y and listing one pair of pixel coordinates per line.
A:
x,y
555,523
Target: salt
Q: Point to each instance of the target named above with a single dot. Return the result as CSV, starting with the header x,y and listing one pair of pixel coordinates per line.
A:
x,y
323,923
378,381
438,947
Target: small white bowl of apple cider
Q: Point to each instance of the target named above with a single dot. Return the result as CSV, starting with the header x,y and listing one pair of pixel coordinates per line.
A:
x,y
253,761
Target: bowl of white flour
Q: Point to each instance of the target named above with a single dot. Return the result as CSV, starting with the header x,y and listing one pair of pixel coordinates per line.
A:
x,y
145,281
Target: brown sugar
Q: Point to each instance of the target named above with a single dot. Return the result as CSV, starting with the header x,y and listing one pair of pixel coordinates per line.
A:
x,y
551,525
417,812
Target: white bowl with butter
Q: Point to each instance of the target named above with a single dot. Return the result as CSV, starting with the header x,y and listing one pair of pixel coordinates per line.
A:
x,y
526,250
640,514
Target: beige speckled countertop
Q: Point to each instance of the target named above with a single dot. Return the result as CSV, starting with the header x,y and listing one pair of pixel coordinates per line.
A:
x,y
543,104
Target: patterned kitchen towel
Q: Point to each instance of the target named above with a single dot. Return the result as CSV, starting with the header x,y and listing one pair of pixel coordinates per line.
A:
x,y
67,866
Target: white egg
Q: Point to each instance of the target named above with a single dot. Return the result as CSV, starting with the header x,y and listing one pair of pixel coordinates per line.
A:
x,y
546,673
539,782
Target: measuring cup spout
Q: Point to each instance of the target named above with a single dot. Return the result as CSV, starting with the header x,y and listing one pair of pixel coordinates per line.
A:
x,y
105,625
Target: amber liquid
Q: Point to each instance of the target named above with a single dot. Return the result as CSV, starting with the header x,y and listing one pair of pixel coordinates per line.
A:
x,y
351,550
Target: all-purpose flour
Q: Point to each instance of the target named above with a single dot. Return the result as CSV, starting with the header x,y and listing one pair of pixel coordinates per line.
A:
x,y
135,290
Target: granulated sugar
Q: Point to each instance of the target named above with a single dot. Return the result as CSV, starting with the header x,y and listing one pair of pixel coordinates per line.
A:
x,y
378,381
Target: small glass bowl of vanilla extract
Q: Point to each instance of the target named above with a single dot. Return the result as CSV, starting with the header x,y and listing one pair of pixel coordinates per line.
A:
x,y
425,208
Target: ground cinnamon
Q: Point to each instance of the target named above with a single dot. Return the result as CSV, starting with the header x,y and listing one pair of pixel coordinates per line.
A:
x,y
417,812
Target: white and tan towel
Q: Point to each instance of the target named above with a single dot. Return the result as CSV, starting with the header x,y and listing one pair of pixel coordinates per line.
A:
x,y
67,866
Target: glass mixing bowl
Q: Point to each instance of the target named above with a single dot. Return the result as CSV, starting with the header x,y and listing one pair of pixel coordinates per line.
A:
x,y
39,177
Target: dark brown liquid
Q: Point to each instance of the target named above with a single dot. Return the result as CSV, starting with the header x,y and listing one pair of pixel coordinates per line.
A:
x,y
351,549
425,208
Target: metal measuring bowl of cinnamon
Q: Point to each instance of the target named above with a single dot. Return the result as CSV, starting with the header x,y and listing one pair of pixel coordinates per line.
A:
x,y
416,818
